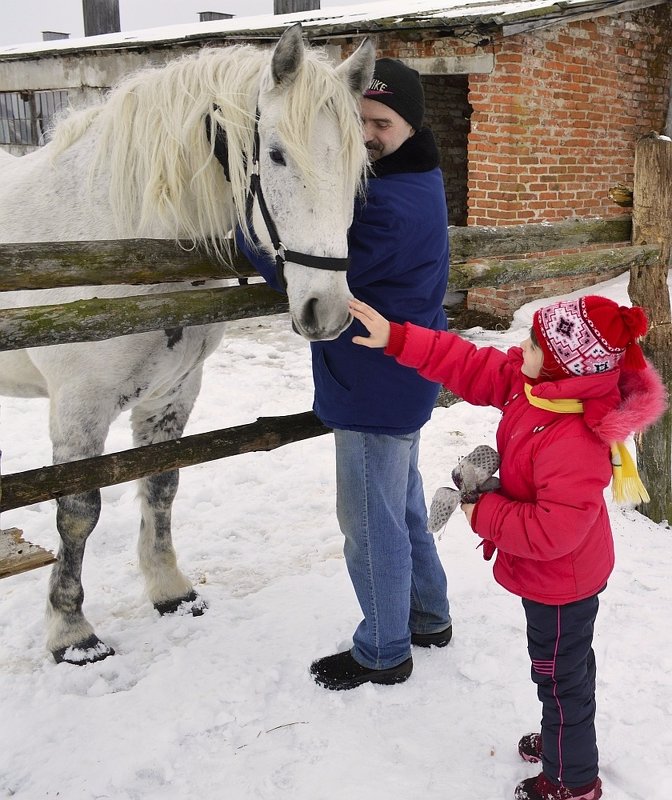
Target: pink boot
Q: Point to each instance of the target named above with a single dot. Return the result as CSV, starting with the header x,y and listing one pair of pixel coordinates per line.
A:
x,y
540,788
529,747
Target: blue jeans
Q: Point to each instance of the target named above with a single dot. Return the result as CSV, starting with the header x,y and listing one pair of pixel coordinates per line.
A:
x,y
391,557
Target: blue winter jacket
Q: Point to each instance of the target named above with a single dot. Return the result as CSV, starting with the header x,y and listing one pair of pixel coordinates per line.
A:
x,y
398,247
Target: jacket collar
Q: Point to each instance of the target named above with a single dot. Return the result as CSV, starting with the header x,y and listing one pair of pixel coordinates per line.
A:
x,y
580,387
417,154
615,404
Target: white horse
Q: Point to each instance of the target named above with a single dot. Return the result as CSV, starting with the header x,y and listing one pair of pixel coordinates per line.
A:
x,y
143,163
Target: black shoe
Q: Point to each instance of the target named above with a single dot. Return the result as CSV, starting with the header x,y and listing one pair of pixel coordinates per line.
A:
x,y
439,639
341,671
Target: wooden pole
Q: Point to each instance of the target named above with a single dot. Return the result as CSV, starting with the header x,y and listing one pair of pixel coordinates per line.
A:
x,y
652,224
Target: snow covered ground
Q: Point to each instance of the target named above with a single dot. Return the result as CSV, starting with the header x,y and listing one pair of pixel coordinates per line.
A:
x,y
222,707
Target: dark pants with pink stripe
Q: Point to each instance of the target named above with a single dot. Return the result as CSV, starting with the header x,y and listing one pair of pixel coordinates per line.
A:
x,y
559,641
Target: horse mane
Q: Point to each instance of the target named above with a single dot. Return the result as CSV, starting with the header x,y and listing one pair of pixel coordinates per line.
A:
x,y
151,139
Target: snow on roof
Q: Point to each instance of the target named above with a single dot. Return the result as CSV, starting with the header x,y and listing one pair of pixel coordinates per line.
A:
x,y
361,18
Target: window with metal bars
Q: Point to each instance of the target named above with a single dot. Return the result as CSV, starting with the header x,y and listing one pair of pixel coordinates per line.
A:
x,y
25,117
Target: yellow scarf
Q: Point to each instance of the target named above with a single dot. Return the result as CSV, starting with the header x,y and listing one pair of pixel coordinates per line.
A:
x,y
626,486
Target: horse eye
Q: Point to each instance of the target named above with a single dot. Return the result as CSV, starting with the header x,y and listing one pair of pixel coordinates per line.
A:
x,y
277,156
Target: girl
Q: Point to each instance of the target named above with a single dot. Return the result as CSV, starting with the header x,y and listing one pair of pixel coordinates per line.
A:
x,y
573,390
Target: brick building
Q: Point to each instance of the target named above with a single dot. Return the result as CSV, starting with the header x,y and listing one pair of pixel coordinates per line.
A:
x,y
549,125
537,105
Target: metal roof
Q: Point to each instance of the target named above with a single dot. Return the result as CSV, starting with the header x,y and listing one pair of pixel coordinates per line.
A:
x,y
347,20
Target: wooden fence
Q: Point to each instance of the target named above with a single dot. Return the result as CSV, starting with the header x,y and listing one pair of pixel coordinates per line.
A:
x,y
479,257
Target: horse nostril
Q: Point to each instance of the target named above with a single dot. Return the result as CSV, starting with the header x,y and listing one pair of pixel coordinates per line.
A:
x,y
309,315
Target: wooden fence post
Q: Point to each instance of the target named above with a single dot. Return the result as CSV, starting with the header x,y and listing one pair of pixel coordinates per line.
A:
x,y
652,224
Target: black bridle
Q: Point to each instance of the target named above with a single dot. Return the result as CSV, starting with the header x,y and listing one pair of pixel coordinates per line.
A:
x,y
282,254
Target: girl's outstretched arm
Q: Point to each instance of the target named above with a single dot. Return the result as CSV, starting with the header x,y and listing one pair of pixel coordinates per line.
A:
x,y
481,376
377,326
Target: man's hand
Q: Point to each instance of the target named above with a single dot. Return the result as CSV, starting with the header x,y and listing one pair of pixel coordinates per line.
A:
x,y
377,326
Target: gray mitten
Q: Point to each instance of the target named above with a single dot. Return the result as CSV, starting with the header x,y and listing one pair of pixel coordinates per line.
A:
x,y
445,501
474,470
472,476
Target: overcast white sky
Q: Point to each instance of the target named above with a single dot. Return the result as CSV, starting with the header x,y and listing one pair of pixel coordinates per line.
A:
x,y
23,21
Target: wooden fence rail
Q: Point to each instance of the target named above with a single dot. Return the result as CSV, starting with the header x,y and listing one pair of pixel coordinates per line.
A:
x,y
52,265
46,483
97,319
498,272
477,259
42,265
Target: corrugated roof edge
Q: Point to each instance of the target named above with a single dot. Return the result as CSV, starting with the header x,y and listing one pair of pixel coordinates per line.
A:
x,y
336,21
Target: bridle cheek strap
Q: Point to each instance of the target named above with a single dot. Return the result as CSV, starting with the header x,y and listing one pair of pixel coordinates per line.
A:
x,y
282,255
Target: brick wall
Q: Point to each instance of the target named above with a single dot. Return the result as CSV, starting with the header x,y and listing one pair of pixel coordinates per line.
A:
x,y
502,301
555,125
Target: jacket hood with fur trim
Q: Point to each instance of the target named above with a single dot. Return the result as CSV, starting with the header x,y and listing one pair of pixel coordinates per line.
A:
x,y
644,401
616,404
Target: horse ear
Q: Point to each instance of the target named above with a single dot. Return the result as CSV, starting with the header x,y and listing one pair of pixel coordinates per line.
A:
x,y
357,70
288,55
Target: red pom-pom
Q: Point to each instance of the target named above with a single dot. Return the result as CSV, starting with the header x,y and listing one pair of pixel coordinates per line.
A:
x,y
634,320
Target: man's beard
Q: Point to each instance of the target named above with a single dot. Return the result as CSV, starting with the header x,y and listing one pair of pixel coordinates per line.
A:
x,y
375,150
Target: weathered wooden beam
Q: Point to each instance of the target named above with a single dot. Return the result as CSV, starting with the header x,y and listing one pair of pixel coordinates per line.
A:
x,y
495,272
17,555
48,265
652,223
97,319
46,483
535,237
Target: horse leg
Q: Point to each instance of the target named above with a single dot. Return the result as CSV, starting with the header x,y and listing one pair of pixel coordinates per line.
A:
x,y
167,587
70,636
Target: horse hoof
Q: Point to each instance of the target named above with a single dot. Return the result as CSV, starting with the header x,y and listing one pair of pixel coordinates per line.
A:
x,y
87,652
192,604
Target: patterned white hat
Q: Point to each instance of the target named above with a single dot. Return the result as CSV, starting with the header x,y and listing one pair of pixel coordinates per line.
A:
x,y
589,335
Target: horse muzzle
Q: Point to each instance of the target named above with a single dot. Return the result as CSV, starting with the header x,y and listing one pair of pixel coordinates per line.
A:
x,y
309,326
318,302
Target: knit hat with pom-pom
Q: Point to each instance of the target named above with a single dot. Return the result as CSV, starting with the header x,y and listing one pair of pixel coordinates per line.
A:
x,y
589,335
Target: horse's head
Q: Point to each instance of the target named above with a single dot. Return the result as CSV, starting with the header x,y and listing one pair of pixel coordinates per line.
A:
x,y
312,163
153,151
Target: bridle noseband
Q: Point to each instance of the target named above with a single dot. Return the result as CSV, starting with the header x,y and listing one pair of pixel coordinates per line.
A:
x,y
282,254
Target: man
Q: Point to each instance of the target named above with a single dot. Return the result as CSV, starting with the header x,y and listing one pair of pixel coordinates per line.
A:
x,y
398,247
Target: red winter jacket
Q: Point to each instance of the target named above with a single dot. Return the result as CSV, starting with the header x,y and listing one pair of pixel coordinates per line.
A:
x,y
549,519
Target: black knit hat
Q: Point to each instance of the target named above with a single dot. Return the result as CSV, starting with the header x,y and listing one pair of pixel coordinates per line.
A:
x,y
398,86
